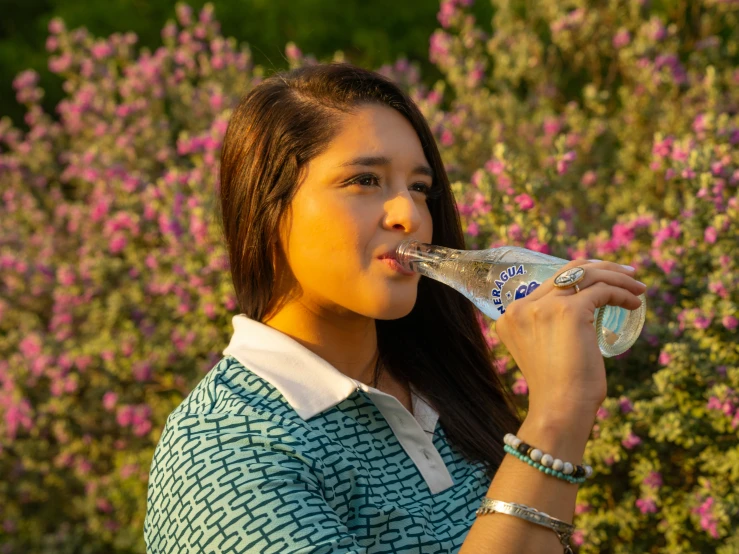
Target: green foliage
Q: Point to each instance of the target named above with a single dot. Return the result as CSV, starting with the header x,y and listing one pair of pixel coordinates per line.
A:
x,y
369,33
607,131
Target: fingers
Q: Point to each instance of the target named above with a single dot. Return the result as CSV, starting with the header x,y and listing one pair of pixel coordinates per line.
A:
x,y
601,294
594,275
591,276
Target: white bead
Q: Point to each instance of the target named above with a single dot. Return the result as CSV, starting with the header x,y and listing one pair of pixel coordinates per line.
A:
x,y
557,465
568,469
507,438
536,454
516,442
588,471
546,460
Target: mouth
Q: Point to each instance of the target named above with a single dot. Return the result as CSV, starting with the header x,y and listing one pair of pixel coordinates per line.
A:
x,y
389,259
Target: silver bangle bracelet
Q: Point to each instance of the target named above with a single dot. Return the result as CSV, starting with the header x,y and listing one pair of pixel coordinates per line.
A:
x,y
563,529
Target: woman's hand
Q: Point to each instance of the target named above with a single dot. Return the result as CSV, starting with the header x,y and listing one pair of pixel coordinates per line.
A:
x,y
550,334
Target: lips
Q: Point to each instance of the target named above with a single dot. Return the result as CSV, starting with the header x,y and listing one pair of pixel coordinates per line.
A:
x,y
393,264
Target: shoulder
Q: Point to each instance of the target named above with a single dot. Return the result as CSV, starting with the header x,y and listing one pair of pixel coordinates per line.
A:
x,y
234,455
231,400
231,389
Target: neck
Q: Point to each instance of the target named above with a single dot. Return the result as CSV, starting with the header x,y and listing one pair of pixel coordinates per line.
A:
x,y
346,341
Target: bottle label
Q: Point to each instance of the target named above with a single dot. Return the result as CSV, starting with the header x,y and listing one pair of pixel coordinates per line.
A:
x,y
522,288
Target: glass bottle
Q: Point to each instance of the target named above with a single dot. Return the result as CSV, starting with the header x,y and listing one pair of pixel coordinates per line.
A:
x,y
493,278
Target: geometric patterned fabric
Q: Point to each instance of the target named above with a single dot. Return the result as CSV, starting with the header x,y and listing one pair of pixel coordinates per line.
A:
x,y
237,470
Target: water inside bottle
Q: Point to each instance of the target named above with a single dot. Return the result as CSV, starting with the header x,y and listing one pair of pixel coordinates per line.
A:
x,y
492,286
493,279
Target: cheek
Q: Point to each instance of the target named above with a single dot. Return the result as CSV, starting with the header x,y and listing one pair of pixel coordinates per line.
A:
x,y
325,241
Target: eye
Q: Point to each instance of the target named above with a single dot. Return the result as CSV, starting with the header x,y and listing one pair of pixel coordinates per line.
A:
x,y
430,192
367,179
423,187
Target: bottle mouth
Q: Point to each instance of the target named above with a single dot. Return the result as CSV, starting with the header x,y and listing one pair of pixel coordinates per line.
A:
x,y
403,250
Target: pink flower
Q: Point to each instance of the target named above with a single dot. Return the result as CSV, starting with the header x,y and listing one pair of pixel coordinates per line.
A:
x,y
184,14
142,371
702,322
646,505
447,10
447,138
623,234
534,244
104,505
631,441
100,50
495,167
524,201
671,231
109,400
293,52
18,415
56,26
117,243
515,232
125,416
551,126
625,405
657,31
439,44
621,39
60,64
654,479
520,386
52,43
707,518
473,229
30,346
730,322
433,97
663,148
564,164
710,235
664,358
589,178
714,403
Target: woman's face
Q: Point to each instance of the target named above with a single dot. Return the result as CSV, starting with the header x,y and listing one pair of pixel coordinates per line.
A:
x,y
360,198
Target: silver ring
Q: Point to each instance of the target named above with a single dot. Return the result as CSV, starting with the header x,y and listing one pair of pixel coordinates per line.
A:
x,y
569,278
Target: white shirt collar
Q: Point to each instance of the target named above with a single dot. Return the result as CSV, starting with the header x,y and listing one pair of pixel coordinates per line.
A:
x,y
311,385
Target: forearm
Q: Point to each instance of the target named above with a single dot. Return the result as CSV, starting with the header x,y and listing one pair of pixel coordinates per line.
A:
x,y
518,482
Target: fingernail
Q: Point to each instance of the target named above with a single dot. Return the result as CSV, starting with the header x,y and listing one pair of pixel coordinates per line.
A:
x,y
628,267
595,260
641,283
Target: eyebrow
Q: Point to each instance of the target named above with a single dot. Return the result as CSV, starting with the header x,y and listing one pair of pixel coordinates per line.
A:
x,y
383,160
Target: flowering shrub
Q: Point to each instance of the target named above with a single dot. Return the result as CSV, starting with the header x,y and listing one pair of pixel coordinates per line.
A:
x,y
606,132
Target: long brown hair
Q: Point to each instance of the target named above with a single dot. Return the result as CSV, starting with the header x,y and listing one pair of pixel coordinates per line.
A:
x,y
439,348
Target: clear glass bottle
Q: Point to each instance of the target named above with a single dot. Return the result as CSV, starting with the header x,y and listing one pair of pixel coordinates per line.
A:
x,y
493,278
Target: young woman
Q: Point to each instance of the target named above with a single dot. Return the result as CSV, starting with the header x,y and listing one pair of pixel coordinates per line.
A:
x,y
356,408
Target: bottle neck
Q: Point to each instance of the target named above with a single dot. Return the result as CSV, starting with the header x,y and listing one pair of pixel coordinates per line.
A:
x,y
416,256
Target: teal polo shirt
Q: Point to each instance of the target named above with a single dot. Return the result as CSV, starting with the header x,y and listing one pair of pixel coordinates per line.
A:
x,y
277,451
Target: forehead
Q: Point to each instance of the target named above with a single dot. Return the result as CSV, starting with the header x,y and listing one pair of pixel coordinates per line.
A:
x,y
375,130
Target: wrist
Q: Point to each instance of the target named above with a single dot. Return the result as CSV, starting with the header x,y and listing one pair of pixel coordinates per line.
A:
x,y
562,437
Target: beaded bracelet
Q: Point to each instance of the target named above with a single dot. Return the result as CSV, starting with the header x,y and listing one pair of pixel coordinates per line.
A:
x,y
551,466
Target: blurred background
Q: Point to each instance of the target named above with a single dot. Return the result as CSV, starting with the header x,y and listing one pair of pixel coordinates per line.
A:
x,y
603,129
369,33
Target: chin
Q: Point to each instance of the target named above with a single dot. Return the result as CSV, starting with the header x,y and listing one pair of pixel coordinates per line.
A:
x,y
393,306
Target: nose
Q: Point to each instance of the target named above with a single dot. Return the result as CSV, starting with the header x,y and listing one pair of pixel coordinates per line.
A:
x,y
403,211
